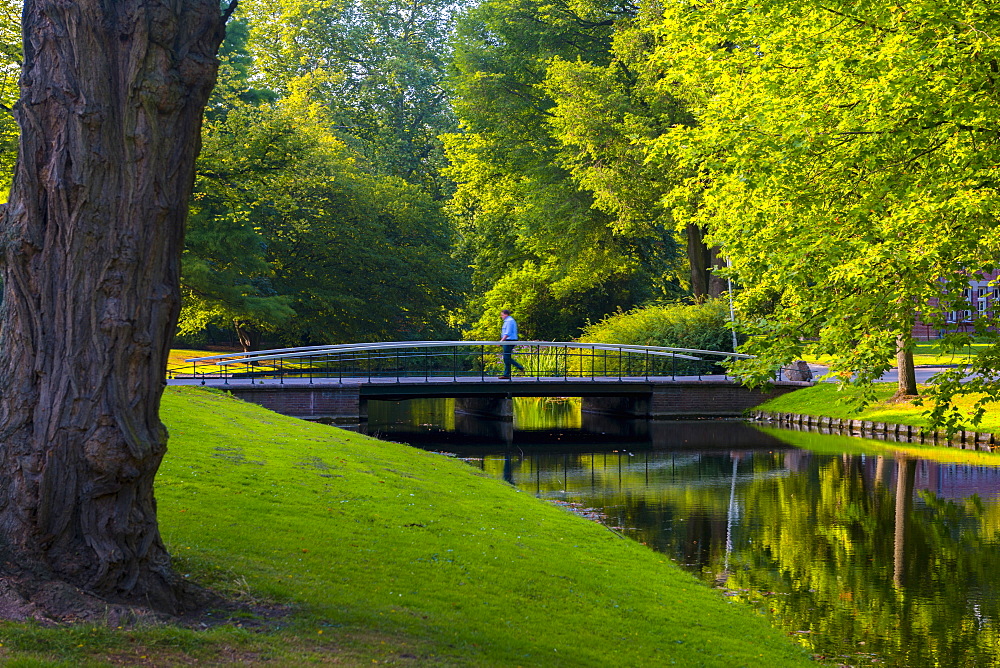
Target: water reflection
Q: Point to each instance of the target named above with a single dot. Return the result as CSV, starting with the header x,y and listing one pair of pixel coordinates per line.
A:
x,y
867,559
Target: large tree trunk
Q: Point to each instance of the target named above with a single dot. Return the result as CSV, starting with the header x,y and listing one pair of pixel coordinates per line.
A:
x,y
112,95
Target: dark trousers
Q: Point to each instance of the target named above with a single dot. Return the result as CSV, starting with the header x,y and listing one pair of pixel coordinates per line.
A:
x,y
508,360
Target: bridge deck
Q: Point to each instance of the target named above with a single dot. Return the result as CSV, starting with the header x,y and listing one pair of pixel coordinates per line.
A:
x,y
403,387
653,397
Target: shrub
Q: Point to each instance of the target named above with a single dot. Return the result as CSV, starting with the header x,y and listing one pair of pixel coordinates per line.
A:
x,y
699,326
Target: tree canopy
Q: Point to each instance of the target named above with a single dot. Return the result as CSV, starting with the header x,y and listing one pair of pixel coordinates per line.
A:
x,y
573,160
535,235
847,170
294,227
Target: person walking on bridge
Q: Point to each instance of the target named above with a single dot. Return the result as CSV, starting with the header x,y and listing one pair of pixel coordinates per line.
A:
x,y
508,332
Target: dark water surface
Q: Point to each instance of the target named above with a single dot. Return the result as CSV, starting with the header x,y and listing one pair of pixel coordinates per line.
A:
x,y
867,559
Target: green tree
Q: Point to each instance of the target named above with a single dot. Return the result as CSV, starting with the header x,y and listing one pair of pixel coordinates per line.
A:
x,y
290,238
376,64
847,170
605,119
534,236
226,277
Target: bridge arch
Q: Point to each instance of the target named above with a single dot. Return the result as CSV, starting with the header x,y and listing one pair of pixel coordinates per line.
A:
x,y
336,381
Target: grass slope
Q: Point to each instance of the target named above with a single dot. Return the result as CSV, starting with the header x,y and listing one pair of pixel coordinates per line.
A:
x,y
388,554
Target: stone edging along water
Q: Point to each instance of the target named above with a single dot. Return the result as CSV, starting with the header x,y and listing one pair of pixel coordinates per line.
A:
x,y
883,431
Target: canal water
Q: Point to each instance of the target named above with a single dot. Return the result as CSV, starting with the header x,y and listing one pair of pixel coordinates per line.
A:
x,y
866,556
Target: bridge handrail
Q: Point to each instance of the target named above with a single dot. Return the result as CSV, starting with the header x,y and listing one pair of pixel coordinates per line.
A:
x,y
307,351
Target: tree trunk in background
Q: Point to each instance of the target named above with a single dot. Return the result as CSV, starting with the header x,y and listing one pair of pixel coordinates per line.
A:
x,y
249,336
112,95
717,286
697,254
705,283
907,384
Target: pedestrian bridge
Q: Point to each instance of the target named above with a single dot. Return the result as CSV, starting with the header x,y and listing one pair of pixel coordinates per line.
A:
x,y
335,382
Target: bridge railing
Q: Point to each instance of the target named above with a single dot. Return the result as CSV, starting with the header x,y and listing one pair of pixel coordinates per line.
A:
x,y
456,360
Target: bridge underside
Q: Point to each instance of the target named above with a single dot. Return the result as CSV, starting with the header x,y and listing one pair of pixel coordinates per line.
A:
x,y
346,401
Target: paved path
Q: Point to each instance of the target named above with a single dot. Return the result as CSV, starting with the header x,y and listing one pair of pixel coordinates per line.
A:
x,y
923,373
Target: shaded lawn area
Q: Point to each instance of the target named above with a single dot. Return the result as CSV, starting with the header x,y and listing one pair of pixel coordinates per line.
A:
x,y
834,400
383,553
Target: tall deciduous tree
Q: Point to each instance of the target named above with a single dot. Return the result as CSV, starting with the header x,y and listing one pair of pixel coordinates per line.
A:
x,y
606,118
535,235
849,170
287,222
112,95
377,65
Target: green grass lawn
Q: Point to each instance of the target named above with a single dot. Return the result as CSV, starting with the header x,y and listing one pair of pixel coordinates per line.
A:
x,y
387,554
926,353
832,400
178,355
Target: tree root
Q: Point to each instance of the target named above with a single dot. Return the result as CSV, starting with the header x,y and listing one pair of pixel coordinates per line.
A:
x,y
28,597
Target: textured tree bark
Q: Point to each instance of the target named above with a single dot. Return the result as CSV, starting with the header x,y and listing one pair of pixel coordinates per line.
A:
x,y
112,94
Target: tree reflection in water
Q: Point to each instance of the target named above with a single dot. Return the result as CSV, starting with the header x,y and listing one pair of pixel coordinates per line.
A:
x,y
840,550
868,559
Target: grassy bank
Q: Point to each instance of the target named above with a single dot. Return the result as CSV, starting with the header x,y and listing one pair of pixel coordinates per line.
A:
x,y
386,554
826,399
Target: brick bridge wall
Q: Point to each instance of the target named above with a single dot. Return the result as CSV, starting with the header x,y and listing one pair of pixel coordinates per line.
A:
x,y
704,398
331,402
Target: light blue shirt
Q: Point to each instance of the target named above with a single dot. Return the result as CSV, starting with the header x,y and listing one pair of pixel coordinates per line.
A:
x,y
509,329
